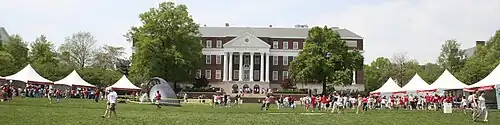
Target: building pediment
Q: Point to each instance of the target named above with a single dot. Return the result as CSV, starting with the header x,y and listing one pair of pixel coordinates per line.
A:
x,y
246,40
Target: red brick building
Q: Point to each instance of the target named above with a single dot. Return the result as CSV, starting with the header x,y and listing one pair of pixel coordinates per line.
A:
x,y
258,57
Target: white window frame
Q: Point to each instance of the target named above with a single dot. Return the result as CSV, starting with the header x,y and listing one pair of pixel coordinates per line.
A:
x,y
285,44
285,60
218,74
275,60
275,75
236,74
208,44
217,59
208,59
198,73
236,59
256,74
208,74
285,75
257,60
219,44
295,45
275,44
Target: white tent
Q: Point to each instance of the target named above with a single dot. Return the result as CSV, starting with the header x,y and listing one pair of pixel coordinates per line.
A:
x,y
124,84
492,79
389,87
29,75
73,79
447,81
416,84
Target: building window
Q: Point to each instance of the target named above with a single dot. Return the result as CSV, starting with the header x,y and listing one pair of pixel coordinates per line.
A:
x,y
295,45
293,58
285,45
275,45
275,60
219,44
217,59
257,60
275,75
209,44
236,74
236,59
217,74
256,74
208,59
285,60
198,73
208,74
285,75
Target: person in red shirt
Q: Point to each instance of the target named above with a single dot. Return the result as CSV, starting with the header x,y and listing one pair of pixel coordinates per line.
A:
x,y
406,100
364,100
58,95
323,102
158,99
97,94
313,103
73,93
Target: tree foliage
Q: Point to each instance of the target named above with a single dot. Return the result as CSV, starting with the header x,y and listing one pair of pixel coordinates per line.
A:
x,y
81,47
43,58
167,44
451,57
377,73
6,63
18,49
485,59
325,59
107,57
430,72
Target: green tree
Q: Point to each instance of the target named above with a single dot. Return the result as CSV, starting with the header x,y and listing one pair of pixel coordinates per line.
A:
x,y
99,76
80,47
451,57
107,57
377,73
484,60
430,72
167,44
6,64
18,49
325,59
44,59
404,68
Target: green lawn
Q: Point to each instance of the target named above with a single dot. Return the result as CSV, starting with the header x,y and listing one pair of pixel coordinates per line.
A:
x,y
79,112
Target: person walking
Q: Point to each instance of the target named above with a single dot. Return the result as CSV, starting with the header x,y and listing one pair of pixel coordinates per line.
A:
x,y
482,110
157,99
111,107
97,95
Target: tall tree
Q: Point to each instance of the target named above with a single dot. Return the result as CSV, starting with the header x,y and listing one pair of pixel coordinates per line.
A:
x,y
484,60
377,73
451,57
430,72
44,59
6,64
18,49
404,68
167,44
81,48
325,59
108,56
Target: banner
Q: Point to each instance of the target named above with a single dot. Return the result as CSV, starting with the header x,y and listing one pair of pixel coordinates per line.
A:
x,y
497,89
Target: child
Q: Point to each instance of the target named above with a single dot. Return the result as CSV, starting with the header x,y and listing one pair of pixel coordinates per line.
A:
x,y
158,99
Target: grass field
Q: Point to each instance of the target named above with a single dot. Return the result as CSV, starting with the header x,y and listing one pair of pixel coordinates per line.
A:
x,y
79,112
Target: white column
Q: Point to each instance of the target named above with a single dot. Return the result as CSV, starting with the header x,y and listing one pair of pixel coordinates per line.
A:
x,y
251,66
267,67
354,77
230,67
241,67
224,74
261,67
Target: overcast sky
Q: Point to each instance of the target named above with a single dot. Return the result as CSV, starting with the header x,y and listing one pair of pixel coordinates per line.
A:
x,y
415,27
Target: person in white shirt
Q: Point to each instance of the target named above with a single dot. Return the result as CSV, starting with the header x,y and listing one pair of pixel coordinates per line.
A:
x,y
112,97
482,110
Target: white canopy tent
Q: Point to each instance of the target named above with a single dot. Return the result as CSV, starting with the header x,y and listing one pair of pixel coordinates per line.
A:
x,y
389,87
489,81
73,79
447,82
124,84
29,75
417,84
